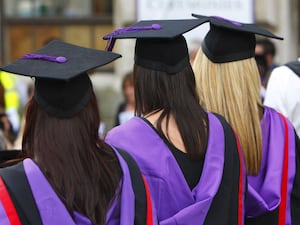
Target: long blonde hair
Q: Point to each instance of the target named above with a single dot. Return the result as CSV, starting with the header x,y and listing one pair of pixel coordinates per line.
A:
x,y
233,90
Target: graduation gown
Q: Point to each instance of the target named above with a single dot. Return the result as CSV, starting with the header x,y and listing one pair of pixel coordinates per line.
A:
x,y
274,194
218,196
124,209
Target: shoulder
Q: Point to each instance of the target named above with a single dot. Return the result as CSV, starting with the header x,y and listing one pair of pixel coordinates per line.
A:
x,y
125,130
225,125
20,170
231,142
282,75
10,172
270,113
233,152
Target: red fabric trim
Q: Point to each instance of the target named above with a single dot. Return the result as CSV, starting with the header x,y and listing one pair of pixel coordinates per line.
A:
x,y
284,178
241,184
8,205
149,216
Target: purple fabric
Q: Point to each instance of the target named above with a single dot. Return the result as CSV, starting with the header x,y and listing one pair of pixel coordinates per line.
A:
x,y
3,217
132,29
124,30
58,59
265,188
53,211
163,174
235,23
122,210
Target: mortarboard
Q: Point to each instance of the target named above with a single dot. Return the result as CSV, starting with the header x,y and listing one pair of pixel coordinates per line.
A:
x,y
228,40
62,86
159,45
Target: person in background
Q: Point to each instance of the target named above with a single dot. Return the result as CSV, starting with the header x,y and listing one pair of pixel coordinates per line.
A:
x,y
263,72
283,91
3,141
19,138
228,82
189,157
5,125
126,108
265,52
267,48
67,175
11,101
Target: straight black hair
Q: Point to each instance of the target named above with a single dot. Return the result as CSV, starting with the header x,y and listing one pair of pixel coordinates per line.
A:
x,y
81,168
173,94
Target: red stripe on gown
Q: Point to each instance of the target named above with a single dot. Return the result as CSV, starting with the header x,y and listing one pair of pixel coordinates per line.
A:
x,y
149,216
241,184
8,205
284,179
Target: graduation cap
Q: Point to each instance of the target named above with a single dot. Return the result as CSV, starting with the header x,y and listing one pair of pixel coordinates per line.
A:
x,y
62,86
229,40
160,44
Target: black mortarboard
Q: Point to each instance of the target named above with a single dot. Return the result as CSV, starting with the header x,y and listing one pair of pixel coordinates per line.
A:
x,y
62,86
160,44
228,40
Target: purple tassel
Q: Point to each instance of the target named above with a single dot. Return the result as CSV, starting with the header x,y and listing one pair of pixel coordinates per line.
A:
x,y
58,59
235,23
111,41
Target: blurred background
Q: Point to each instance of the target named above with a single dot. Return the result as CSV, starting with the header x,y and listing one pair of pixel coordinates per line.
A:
x,y
26,25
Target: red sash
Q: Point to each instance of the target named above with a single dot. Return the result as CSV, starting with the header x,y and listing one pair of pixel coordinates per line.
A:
x,y
241,184
8,205
284,178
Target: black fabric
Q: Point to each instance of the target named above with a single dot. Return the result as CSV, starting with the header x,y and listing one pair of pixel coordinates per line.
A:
x,y
18,187
140,215
270,218
63,98
295,67
161,54
295,199
6,155
228,40
219,50
224,207
191,170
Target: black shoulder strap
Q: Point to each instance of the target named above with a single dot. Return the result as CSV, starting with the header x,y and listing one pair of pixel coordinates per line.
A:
x,y
18,187
233,179
294,66
138,188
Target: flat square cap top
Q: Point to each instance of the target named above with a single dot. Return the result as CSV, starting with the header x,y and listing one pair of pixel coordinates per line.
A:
x,y
155,29
229,40
62,85
60,60
160,44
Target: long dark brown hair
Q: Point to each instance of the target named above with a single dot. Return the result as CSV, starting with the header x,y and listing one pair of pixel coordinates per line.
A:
x,y
81,168
173,94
